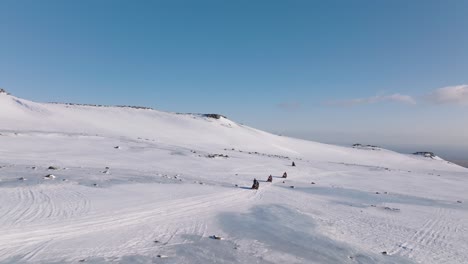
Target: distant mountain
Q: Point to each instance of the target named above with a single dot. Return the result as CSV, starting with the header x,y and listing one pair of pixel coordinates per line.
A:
x,y
208,130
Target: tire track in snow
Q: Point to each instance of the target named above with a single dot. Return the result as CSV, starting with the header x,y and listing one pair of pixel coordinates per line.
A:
x,y
37,250
41,203
32,237
376,230
432,239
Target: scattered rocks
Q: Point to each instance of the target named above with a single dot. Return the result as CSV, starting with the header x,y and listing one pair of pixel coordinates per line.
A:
x,y
216,237
52,168
459,201
117,147
99,105
49,177
312,183
384,253
370,147
211,156
22,179
404,247
426,154
392,209
292,186
262,154
214,116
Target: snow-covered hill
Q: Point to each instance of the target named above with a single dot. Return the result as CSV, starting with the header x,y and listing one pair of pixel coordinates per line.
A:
x,y
136,185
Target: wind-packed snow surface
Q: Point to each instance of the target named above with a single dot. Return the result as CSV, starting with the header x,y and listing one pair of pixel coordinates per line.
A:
x,y
124,185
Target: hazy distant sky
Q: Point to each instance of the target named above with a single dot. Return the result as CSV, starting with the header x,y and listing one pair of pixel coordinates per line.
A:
x,y
381,72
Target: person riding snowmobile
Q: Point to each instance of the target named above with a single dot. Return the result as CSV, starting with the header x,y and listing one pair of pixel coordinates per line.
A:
x,y
255,184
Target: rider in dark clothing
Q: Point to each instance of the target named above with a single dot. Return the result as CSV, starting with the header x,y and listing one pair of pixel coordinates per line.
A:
x,y
256,184
270,179
285,175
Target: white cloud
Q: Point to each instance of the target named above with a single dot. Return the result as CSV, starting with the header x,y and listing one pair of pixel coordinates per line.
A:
x,y
398,98
449,95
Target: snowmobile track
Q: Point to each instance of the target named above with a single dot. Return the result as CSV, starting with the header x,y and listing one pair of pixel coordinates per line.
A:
x,y
35,237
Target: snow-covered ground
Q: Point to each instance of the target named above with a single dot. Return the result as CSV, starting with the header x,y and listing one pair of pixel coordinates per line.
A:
x,y
143,186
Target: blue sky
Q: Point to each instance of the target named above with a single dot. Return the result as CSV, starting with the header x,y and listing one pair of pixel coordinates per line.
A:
x,y
331,71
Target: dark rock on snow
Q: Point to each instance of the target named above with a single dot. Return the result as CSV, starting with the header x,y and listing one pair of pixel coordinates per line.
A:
x,y
426,154
215,116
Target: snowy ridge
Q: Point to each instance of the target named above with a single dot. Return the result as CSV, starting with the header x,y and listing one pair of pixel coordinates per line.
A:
x,y
181,129
118,121
137,185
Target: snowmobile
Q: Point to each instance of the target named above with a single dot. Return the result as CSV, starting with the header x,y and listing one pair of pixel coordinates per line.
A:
x,y
255,185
